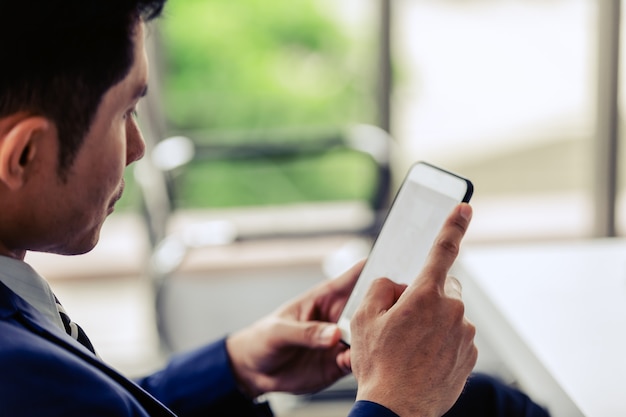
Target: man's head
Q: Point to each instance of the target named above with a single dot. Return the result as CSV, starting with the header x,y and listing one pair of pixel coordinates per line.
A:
x,y
60,56
71,76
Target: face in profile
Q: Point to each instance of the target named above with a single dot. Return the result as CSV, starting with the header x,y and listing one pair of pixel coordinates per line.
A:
x,y
76,206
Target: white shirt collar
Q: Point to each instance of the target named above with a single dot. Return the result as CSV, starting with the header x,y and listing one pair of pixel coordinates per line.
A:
x,y
32,287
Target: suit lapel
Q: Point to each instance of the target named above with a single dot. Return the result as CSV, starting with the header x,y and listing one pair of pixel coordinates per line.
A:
x,y
28,317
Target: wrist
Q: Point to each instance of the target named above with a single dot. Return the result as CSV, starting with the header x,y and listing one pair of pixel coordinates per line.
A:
x,y
244,378
403,404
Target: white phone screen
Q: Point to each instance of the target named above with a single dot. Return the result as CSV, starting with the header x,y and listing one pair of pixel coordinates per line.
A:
x,y
423,202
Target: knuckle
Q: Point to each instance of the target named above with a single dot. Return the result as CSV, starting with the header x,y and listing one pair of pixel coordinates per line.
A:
x,y
357,317
428,296
448,245
383,281
379,285
473,356
310,332
457,310
471,331
460,225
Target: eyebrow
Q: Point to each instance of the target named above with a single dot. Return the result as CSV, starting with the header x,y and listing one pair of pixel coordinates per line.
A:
x,y
141,91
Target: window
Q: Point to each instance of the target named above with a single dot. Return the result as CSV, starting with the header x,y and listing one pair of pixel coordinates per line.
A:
x,y
504,93
260,75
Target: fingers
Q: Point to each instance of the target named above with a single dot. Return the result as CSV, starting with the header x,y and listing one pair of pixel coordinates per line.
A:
x,y
346,281
344,362
396,332
382,294
338,287
310,334
446,246
471,353
325,301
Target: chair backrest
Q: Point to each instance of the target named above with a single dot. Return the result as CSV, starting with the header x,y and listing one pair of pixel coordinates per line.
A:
x,y
158,186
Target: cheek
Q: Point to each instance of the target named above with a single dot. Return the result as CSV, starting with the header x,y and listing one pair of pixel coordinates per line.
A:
x,y
105,169
114,156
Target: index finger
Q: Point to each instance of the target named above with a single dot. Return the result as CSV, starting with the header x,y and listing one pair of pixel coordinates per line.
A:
x,y
446,246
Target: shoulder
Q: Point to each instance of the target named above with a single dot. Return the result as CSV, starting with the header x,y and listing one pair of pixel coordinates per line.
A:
x,y
40,378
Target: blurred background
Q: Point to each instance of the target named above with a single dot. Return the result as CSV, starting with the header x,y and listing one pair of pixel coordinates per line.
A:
x,y
294,123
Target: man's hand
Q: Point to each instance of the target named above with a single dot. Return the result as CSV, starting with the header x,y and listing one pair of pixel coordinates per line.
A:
x,y
295,349
412,348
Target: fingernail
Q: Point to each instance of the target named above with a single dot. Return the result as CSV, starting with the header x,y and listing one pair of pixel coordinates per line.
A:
x,y
465,211
327,335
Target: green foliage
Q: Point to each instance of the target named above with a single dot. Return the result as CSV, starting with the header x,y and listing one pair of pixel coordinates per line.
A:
x,y
234,64
251,65
336,175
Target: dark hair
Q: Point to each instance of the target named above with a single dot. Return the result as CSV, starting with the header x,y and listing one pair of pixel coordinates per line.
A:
x,y
59,57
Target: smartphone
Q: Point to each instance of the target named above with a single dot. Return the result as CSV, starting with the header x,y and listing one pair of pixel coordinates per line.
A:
x,y
426,197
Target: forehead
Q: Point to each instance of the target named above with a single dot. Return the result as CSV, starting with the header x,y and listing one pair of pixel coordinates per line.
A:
x,y
137,77
122,97
133,85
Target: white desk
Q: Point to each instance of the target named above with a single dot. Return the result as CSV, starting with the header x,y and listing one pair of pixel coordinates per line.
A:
x,y
556,313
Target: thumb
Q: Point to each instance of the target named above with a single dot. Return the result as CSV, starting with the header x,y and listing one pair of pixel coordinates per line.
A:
x,y
381,296
310,334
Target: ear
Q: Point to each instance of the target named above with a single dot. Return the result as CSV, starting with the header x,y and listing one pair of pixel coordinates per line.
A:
x,y
20,144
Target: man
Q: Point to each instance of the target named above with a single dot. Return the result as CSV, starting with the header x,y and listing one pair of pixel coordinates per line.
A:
x,y
71,75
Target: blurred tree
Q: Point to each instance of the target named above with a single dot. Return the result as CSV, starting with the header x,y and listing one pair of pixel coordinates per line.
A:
x,y
234,67
258,64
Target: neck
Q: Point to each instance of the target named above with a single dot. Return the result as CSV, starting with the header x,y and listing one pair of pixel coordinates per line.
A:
x,y
15,254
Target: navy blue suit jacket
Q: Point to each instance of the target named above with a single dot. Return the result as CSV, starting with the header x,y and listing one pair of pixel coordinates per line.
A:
x,y
44,372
